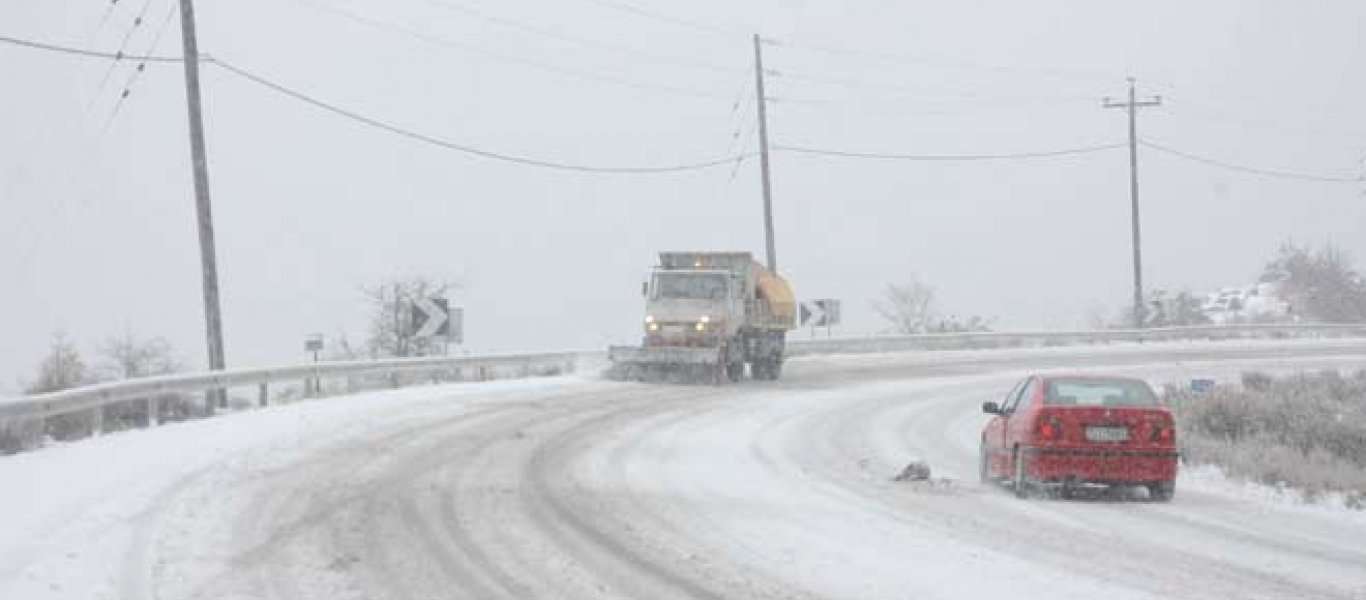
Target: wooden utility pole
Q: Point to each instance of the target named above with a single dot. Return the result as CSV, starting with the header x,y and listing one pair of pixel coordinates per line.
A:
x,y
763,154
207,253
1132,105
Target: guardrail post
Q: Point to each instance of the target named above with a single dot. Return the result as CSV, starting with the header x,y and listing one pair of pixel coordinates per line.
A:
x,y
263,395
97,421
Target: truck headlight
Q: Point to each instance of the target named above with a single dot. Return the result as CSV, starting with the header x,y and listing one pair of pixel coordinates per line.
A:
x,y
704,319
649,318
701,326
652,326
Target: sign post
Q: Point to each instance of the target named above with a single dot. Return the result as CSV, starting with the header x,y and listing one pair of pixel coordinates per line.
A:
x,y
313,386
820,313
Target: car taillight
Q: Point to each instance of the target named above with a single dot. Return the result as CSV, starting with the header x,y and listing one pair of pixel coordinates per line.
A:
x,y
1050,429
1163,434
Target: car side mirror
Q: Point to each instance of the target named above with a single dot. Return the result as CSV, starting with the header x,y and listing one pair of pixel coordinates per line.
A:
x,y
991,408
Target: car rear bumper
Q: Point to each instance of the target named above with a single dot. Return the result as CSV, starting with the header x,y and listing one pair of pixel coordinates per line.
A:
x,y
1095,465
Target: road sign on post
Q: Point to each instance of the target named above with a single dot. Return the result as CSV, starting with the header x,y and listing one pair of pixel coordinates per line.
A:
x,y
431,317
820,313
457,326
313,385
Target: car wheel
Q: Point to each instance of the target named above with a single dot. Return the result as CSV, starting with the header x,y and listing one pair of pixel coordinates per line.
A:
x,y
1162,491
1021,483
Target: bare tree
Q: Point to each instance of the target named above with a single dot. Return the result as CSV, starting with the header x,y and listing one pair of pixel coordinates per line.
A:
x,y
391,305
61,369
127,356
1321,285
909,308
1173,310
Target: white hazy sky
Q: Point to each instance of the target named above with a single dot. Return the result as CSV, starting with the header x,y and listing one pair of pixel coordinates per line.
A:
x,y
97,214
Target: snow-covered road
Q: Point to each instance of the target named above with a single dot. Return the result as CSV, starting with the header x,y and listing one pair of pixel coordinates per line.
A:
x,y
579,488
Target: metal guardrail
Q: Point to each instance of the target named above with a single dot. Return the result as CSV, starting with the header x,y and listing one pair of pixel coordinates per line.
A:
x,y
101,394
983,340
93,396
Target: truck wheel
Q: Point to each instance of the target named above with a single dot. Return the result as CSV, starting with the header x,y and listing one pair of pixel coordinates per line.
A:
x,y
760,369
735,371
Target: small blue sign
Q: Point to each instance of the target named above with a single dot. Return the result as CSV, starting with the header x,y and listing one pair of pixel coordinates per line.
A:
x,y
1202,386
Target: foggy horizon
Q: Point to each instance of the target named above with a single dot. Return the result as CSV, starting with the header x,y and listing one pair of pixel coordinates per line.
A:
x,y
97,201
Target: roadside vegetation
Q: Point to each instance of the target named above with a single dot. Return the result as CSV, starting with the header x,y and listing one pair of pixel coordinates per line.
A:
x,y
911,308
1306,432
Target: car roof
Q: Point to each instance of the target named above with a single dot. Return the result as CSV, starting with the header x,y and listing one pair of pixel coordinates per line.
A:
x,y
1090,377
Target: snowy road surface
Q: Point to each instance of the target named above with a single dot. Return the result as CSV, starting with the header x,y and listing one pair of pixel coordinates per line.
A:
x,y
578,488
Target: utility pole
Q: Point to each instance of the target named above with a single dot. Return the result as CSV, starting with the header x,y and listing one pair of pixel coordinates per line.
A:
x,y
1132,105
207,253
763,154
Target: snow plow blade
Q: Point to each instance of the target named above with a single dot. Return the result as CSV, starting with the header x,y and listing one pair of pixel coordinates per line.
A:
x,y
664,355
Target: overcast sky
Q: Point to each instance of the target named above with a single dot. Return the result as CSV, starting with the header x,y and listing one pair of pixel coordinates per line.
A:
x,y
97,211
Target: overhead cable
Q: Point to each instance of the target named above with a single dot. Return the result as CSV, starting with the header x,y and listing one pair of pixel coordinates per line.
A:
x,y
82,52
635,53
949,157
141,68
449,145
1250,170
627,7
479,50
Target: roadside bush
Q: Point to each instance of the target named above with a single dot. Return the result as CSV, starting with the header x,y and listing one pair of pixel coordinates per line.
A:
x,y
19,435
1307,431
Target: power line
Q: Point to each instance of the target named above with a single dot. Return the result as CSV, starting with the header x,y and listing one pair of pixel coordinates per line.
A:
x,y
1250,170
950,157
142,64
917,91
699,26
900,58
1208,112
476,49
104,18
432,140
635,53
118,56
82,52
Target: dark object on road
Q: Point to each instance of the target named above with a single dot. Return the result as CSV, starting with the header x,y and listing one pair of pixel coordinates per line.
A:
x,y
1064,433
918,470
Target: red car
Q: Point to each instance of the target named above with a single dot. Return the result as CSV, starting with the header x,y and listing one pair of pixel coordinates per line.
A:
x,y
1065,433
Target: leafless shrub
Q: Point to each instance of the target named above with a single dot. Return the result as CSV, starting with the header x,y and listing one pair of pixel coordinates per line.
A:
x,y
19,435
1255,380
1306,431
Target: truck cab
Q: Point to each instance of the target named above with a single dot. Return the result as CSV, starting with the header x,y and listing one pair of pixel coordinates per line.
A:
x,y
711,312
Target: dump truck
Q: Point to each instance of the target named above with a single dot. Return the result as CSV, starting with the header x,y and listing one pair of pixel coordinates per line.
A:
x,y
707,315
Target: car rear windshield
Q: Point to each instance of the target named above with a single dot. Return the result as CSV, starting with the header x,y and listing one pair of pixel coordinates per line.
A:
x,y
1099,392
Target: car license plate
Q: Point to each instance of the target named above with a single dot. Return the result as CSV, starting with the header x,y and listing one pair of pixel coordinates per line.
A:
x,y
1107,434
673,329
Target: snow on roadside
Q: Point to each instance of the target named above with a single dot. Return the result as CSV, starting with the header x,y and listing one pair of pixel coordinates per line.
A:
x,y
1210,479
68,513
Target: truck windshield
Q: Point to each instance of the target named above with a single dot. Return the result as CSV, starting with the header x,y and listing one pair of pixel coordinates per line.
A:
x,y
693,286
1099,392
